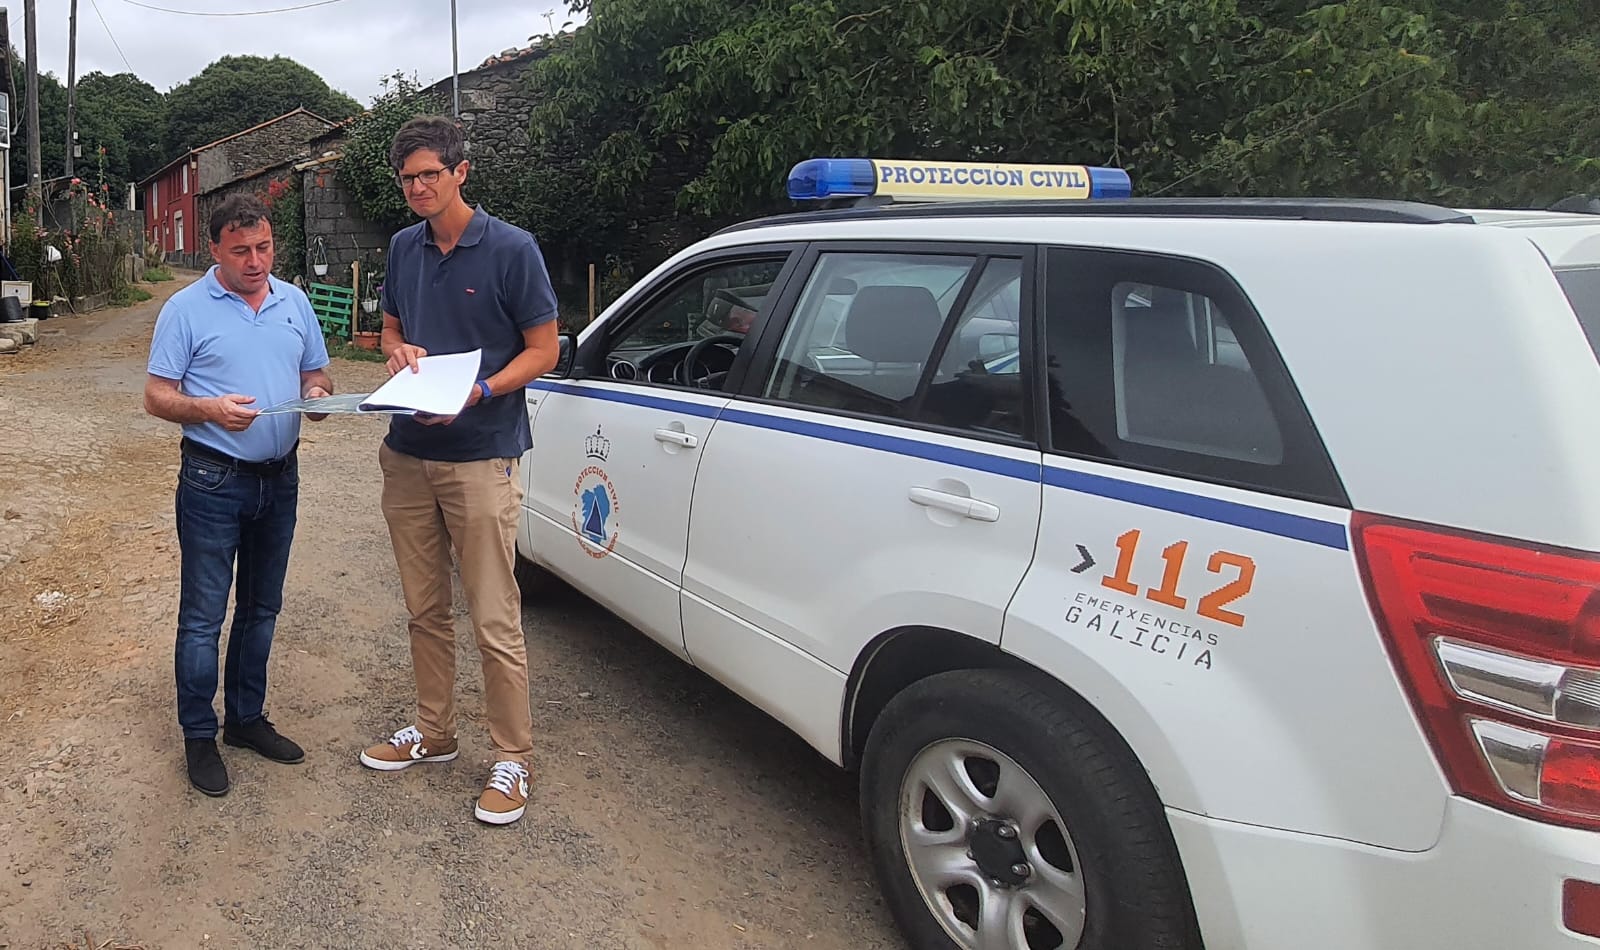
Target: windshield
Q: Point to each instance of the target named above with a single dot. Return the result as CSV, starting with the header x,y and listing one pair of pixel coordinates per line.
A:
x,y
1582,285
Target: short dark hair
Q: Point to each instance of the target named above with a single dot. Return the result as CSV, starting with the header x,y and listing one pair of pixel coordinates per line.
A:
x,y
238,211
433,132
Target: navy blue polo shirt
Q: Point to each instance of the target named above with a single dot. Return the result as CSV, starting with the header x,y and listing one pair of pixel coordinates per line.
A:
x,y
492,286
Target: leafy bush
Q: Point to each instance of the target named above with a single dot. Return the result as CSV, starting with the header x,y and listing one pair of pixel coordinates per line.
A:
x,y
94,254
365,169
285,199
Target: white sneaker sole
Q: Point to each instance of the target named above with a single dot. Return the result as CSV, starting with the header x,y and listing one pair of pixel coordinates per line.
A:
x,y
384,765
498,818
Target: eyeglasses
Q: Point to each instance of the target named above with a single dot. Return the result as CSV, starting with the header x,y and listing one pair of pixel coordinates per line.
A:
x,y
429,177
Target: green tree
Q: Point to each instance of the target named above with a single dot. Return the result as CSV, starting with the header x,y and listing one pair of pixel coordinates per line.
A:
x,y
127,116
706,104
52,124
365,168
237,92
1461,102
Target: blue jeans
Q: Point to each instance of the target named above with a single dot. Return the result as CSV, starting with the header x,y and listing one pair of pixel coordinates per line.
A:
x,y
227,515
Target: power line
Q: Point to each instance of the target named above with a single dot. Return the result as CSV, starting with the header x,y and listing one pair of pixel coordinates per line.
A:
x,y
102,16
1292,127
303,6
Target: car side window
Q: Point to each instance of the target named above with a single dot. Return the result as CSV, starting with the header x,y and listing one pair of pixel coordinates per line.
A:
x,y
1163,364
864,330
721,299
1181,380
977,384
930,338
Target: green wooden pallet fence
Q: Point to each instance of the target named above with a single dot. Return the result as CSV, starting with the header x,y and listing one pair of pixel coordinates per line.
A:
x,y
335,308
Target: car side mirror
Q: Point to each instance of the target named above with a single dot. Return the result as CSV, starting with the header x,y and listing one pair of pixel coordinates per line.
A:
x,y
569,352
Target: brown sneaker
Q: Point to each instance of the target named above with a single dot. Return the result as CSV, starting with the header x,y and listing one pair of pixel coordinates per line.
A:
x,y
405,749
505,797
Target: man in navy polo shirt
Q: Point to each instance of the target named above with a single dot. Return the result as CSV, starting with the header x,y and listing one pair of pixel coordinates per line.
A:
x,y
462,280
237,339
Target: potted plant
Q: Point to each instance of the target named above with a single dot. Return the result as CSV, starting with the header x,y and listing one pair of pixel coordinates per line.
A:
x,y
369,322
319,257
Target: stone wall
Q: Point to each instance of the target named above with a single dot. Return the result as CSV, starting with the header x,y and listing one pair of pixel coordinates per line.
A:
x,y
495,105
260,148
333,214
204,204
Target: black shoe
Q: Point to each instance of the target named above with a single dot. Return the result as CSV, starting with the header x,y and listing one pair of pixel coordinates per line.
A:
x,y
206,771
261,737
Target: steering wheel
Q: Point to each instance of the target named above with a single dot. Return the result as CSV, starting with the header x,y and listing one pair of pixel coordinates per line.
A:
x,y
691,362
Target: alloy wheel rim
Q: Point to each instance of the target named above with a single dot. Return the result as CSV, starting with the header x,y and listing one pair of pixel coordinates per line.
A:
x,y
990,855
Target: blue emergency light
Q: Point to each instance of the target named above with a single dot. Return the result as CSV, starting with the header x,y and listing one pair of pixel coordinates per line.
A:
x,y
816,179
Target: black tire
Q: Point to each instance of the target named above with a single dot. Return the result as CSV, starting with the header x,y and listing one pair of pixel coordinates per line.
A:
x,y
535,582
1135,894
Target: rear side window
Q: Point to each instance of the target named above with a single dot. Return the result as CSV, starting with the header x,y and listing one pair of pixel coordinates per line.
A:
x,y
1181,379
1582,285
1162,363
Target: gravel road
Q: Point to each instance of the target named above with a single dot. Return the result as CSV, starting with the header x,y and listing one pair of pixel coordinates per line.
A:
x,y
666,811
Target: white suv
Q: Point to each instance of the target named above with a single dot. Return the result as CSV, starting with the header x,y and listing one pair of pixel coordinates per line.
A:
x,y
1176,573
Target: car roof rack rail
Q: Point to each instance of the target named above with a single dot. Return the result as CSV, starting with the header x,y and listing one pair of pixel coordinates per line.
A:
x,y
1578,204
1354,210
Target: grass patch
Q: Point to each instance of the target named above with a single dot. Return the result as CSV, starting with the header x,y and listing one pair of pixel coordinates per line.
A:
x,y
345,350
156,275
129,295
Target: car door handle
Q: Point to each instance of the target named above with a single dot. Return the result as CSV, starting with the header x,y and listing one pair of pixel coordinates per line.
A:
x,y
955,504
674,437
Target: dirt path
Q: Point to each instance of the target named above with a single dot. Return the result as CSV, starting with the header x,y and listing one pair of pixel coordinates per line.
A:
x,y
666,811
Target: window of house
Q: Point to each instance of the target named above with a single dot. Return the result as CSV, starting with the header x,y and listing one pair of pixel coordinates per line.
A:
x,y
177,230
186,179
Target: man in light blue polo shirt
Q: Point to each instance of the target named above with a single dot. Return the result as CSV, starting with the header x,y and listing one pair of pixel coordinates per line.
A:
x,y
237,340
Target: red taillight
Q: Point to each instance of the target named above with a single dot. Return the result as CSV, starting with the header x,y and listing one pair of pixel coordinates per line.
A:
x,y
1569,778
1580,907
1498,644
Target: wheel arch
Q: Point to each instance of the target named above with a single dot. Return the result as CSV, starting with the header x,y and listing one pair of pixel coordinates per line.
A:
x,y
898,658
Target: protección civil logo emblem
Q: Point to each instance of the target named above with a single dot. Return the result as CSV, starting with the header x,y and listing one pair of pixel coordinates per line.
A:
x,y
595,506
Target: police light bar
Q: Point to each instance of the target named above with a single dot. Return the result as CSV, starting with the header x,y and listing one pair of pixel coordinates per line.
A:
x,y
816,179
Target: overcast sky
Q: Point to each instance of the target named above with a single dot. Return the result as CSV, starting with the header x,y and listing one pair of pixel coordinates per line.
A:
x,y
352,44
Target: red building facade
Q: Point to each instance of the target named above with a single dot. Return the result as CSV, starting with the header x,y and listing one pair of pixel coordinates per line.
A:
x,y
171,220
169,206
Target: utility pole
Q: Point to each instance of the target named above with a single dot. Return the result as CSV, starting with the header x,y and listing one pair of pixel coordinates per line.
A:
x,y
72,86
35,175
455,64
11,110
5,42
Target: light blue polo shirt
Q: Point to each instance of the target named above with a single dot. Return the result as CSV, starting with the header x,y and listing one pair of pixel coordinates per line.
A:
x,y
210,340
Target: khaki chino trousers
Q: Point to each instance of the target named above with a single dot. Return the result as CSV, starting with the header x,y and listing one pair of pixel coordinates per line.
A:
x,y
470,509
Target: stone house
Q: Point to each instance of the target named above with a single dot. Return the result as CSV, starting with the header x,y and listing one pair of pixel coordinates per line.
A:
x,y
495,109
178,197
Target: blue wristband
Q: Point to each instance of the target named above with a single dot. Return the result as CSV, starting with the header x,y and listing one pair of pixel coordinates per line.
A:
x,y
483,384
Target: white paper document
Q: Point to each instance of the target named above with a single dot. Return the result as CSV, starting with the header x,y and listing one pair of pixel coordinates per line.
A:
x,y
439,387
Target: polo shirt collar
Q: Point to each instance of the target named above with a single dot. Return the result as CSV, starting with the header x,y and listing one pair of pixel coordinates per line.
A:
x,y
217,291
471,236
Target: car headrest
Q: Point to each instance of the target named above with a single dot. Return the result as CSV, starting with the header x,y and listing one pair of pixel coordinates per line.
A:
x,y
1161,329
892,324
